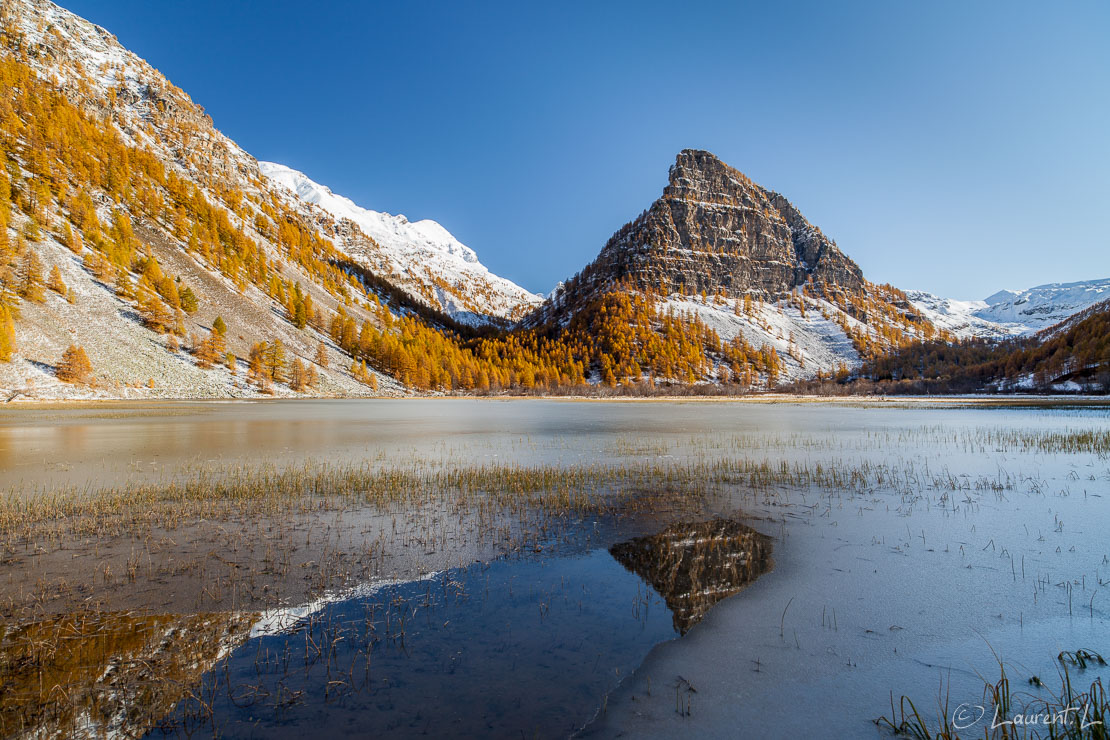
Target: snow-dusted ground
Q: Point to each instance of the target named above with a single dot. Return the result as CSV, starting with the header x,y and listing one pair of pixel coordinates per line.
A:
x,y
126,357
1011,312
805,343
417,251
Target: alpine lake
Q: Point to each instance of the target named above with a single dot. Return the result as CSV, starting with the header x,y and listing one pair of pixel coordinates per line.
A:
x,y
546,568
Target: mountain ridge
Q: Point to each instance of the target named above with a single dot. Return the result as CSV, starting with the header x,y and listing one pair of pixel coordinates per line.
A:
x,y
186,268
1008,313
418,255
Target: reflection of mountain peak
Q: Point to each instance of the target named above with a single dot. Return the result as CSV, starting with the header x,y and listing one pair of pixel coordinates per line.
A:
x,y
695,565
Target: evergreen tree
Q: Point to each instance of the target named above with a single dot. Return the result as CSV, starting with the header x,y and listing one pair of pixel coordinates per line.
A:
x,y
189,302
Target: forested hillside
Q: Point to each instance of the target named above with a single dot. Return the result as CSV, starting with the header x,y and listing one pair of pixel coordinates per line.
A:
x,y
1072,356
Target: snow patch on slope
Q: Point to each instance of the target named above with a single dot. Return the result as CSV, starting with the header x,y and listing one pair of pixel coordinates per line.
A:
x,y
806,344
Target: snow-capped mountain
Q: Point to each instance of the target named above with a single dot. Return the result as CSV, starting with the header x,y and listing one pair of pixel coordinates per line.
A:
x,y
421,256
1045,305
1010,313
150,112
719,249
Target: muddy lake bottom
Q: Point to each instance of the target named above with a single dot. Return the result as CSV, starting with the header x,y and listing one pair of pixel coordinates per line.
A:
x,y
542,569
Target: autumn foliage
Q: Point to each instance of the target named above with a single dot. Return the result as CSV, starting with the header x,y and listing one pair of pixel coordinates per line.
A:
x,y
74,367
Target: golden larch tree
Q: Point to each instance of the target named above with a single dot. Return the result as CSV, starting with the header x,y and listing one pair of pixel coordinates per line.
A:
x,y
74,367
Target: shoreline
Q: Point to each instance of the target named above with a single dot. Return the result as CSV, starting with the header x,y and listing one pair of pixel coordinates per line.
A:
x,y
757,399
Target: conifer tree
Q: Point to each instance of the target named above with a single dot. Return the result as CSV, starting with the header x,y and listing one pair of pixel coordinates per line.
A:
x,y
30,277
7,334
322,355
5,212
210,351
70,238
155,314
188,299
298,378
274,361
74,367
256,371
54,282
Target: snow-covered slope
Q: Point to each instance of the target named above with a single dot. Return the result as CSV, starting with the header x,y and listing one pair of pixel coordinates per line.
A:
x,y
1011,312
87,65
420,252
1044,305
806,343
961,318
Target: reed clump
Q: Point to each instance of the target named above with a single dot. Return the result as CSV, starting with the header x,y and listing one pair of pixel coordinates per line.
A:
x,y
1070,713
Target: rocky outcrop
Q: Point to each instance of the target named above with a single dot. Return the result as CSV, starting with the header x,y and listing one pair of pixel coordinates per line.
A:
x,y
714,230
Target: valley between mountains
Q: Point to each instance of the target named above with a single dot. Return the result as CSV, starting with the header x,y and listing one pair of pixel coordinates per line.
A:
x,y
143,254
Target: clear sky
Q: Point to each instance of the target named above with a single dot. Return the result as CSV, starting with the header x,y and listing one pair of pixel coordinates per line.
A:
x,y
957,147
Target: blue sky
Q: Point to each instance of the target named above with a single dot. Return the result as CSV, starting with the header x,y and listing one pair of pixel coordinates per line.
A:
x,y
957,147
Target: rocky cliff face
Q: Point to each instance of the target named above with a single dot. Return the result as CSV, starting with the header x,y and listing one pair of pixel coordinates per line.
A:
x,y
714,230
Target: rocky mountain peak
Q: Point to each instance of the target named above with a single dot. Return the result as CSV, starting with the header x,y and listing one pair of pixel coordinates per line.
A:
x,y
698,172
713,230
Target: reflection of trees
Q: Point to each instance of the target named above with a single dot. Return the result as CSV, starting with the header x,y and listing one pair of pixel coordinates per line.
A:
x,y
693,566
97,674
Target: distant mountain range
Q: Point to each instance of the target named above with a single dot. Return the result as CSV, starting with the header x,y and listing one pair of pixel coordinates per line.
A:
x,y
1011,312
183,267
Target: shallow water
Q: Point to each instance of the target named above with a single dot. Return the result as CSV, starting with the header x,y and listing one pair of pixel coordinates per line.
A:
x,y
514,647
106,444
956,530
524,646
